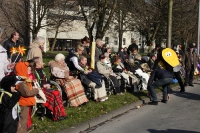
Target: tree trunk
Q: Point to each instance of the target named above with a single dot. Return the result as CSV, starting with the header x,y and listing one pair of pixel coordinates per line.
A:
x,y
54,40
120,39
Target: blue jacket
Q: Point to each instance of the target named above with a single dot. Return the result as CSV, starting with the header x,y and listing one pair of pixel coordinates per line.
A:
x,y
158,74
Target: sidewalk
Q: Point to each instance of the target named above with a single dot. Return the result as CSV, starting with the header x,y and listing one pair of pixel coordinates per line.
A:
x,y
94,123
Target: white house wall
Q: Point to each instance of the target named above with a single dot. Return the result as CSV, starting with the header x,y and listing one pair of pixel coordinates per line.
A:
x,y
78,31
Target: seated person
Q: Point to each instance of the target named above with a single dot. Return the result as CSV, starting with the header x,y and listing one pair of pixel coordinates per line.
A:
x,y
53,97
137,70
8,112
73,87
107,72
75,68
107,60
141,63
119,68
96,78
151,61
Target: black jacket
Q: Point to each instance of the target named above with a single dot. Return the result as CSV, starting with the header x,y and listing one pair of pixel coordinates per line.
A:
x,y
8,44
69,63
130,48
159,74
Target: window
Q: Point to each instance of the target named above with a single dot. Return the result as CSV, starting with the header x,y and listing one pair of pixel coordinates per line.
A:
x,y
124,41
132,40
106,40
115,42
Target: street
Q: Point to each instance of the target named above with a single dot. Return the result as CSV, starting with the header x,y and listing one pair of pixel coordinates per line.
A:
x,y
180,115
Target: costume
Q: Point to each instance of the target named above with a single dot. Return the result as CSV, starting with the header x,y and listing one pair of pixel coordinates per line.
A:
x,y
28,94
8,106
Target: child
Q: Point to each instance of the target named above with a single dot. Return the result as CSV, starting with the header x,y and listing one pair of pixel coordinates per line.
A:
x,y
8,101
28,94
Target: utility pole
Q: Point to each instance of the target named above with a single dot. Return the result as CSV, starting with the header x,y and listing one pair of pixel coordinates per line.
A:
x,y
198,30
169,28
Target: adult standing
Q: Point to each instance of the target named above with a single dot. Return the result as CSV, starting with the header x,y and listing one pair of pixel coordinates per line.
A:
x,y
190,65
13,41
86,42
98,51
121,55
130,47
5,66
72,59
36,48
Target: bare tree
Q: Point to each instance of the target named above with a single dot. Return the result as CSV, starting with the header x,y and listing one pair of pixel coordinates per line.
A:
x,y
97,13
61,17
185,14
16,14
122,20
27,16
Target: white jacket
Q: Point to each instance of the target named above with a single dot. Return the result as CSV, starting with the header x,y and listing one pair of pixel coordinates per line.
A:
x,y
3,62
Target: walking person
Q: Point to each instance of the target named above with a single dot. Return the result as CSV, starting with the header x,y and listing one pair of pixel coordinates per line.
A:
x,y
190,65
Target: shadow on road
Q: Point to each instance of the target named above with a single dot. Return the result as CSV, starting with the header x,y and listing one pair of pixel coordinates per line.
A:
x,y
187,95
170,131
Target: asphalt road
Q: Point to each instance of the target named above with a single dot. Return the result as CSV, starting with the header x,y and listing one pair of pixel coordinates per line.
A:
x,y
180,115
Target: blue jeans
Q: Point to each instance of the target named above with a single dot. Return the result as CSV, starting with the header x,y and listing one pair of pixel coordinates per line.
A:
x,y
162,82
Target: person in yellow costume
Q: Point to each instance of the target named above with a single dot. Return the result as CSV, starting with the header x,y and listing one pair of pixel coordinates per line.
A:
x,y
168,59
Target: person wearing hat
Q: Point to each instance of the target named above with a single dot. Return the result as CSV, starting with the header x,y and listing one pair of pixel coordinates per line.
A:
x,y
108,73
28,94
190,63
8,104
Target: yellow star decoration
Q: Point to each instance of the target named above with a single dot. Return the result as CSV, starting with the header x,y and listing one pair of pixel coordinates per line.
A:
x,y
13,50
21,50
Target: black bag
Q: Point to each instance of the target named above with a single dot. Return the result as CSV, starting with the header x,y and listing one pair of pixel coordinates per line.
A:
x,y
84,79
96,78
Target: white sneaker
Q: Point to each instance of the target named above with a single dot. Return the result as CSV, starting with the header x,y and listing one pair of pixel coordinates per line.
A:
x,y
106,98
102,100
92,85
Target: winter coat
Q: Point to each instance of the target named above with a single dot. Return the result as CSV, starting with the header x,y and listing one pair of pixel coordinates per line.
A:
x,y
34,51
25,88
98,52
59,71
188,62
103,69
3,62
8,44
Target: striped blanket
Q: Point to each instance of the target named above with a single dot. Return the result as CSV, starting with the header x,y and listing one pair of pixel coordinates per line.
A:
x,y
54,103
74,90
